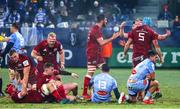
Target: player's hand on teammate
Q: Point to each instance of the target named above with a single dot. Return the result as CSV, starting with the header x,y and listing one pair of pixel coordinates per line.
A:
x,y
39,58
74,75
62,67
23,93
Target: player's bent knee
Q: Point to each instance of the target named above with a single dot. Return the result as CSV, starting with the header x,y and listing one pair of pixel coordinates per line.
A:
x,y
154,83
157,82
75,84
45,89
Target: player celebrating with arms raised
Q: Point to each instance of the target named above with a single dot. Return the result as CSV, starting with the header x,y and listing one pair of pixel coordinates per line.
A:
x,y
93,50
142,37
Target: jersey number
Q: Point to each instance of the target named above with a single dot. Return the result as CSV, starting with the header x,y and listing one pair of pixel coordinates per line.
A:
x,y
141,36
102,84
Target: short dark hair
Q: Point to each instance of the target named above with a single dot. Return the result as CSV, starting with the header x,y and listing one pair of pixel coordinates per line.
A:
x,y
15,25
105,68
137,20
152,53
12,51
100,17
47,65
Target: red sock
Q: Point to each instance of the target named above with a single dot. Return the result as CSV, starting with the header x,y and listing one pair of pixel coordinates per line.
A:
x,y
61,91
86,84
139,93
56,95
157,90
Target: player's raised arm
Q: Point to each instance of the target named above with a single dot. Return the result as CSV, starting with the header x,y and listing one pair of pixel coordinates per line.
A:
x,y
164,36
122,33
103,42
127,45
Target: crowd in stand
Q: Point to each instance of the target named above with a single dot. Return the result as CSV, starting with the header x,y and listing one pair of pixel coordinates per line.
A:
x,y
52,12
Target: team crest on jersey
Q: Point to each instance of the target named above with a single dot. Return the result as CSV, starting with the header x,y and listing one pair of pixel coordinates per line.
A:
x,y
47,79
26,63
55,49
45,49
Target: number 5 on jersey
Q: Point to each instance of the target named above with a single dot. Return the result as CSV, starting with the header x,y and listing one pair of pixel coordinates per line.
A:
x,y
141,36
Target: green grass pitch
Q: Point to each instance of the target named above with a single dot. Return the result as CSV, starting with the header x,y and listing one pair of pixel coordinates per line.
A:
x,y
169,84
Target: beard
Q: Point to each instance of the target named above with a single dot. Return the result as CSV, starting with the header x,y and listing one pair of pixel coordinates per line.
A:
x,y
104,25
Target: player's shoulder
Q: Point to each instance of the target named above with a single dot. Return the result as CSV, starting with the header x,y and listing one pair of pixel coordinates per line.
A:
x,y
43,43
40,76
23,56
109,77
148,28
95,28
149,63
13,36
58,43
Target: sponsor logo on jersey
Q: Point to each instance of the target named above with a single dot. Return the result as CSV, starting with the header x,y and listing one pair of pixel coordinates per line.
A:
x,y
101,92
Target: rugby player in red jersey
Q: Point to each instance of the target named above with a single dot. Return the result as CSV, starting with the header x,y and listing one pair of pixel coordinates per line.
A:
x,y
47,89
125,35
142,37
33,96
22,66
47,85
93,50
46,51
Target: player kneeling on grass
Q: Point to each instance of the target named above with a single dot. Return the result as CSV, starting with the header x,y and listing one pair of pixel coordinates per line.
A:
x,y
48,86
143,79
103,84
22,72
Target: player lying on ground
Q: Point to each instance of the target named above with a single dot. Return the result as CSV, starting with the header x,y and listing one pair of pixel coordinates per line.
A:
x,y
103,84
48,85
143,79
33,96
